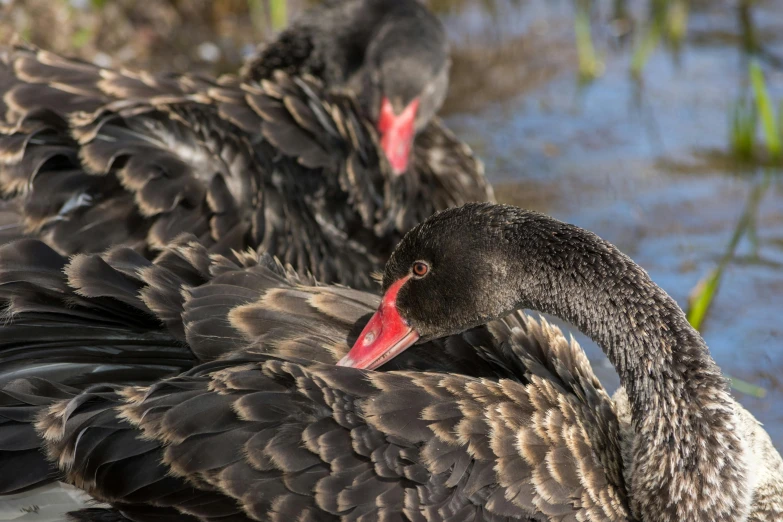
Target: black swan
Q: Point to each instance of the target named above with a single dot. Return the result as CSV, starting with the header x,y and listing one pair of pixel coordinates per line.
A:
x,y
120,318
305,156
266,434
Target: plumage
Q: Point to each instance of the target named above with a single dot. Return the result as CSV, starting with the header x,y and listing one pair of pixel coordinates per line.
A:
x,y
309,434
286,159
268,413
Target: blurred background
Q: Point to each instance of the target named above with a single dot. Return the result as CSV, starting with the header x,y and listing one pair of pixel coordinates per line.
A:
x,y
655,123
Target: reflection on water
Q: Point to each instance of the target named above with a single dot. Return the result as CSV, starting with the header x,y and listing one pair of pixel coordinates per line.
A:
x,y
644,164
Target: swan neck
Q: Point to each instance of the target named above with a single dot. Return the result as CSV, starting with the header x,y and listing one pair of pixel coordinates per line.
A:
x,y
573,274
689,461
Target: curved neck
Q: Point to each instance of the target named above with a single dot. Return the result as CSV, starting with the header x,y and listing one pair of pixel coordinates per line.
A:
x,y
687,452
573,274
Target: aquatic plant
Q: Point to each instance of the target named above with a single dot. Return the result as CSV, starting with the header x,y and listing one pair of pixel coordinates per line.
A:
x,y
742,134
668,23
590,66
274,16
769,121
705,291
744,117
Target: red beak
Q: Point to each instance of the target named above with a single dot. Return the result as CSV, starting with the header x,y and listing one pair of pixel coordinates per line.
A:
x,y
386,335
397,133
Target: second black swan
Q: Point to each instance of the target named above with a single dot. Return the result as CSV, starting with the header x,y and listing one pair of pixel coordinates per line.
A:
x,y
324,153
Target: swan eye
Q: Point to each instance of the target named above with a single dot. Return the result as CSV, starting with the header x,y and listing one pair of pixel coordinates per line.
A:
x,y
420,268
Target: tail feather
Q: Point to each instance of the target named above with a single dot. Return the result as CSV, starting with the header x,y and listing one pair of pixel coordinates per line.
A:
x,y
81,323
21,402
27,411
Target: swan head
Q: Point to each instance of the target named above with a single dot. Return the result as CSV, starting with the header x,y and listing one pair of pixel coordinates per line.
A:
x,y
450,273
405,79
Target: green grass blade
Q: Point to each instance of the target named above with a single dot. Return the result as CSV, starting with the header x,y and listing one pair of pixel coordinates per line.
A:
x,y
677,22
590,67
780,117
644,48
705,291
765,110
747,388
278,12
701,298
744,121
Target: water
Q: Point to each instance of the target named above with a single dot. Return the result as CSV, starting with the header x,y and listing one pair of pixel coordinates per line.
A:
x,y
644,165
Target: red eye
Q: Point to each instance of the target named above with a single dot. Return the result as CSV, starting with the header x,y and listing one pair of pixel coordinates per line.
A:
x,y
420,269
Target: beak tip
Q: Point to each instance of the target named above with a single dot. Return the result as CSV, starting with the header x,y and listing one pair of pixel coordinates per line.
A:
x,y
346,361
